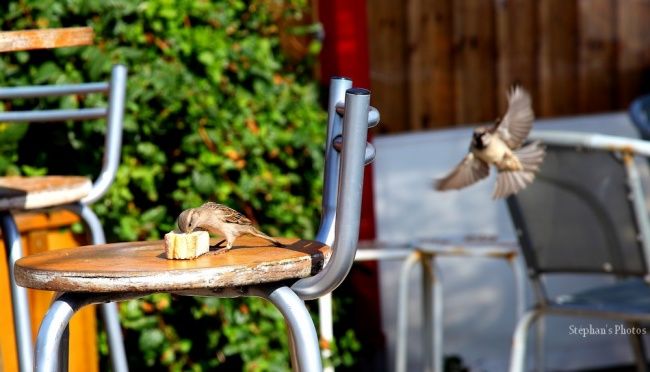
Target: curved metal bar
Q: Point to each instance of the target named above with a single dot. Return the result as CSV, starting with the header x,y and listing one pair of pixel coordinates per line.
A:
x,y
301,327
113,142
19,300
592,140
338,86
518,353
348,210
49,350
370,149
109,311
373,114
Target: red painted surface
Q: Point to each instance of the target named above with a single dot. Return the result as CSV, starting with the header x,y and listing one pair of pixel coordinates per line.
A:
x,y
345,53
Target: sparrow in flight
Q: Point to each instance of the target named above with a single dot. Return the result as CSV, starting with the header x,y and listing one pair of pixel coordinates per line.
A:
x,y
221,220
501,145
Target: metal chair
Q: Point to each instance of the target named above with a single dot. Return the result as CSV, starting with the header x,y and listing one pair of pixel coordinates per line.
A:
x,y
70,192
639,112
281,275
585,213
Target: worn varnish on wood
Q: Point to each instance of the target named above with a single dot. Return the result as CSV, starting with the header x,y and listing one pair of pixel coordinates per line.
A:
x,y
142,266
11,41
41,192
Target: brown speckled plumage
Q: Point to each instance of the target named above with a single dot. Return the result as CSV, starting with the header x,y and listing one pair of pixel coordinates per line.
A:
x,y
220,219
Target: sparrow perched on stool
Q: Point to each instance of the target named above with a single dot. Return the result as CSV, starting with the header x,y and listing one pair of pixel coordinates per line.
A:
x,y
222,220
501,145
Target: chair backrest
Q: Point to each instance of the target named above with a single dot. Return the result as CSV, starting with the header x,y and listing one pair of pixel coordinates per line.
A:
x,y
579,216
113,113
640,114
346,153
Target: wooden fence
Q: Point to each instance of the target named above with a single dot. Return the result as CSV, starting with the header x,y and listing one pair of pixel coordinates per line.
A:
x,y
438,63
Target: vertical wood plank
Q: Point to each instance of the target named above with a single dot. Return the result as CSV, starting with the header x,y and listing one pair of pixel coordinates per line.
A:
x,y
634,50
474,61
387,25
517,48
596,55
558,57
429,59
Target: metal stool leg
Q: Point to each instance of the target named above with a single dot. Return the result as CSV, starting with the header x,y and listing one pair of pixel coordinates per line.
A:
x,y
638,349
402,310
109,311
326,326
432,311
51,353
518,353
19,302
301,327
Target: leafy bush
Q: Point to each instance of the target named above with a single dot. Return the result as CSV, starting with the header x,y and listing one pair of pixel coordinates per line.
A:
x,y
219,107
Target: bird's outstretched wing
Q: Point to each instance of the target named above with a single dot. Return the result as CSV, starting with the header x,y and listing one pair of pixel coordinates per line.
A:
x,y
228,214
469,171
518,120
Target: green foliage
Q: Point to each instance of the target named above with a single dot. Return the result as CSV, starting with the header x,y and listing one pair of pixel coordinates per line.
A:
x,y
217,109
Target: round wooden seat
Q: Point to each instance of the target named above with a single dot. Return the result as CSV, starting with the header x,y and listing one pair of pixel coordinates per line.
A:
x,y
142,266
41,192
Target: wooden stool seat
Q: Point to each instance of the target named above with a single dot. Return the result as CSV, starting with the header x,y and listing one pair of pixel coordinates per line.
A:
x,y
142,266
11,41
41,192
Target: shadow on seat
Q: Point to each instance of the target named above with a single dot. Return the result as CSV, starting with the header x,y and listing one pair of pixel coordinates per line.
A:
x,y
76,193
585,213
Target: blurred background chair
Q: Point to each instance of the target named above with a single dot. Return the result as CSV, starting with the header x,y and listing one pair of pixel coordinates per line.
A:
x,y
116,272
586,213
639,112
75,193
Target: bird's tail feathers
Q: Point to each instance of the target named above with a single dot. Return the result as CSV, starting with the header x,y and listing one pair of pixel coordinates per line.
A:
x,y
260,234
531,156
510,182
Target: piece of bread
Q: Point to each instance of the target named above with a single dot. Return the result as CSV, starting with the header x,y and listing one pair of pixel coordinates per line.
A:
x,y
186,246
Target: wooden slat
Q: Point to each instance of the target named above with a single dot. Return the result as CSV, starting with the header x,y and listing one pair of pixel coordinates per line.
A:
x,y
517,55
558,57
387,41
11,41
634,49
430,69
596,55
474,61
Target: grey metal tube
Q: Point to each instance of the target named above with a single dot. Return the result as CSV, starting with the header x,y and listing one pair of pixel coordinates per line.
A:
x,y
401,339
338,86
592,140
518,353
52,115
48,342
109,311
373,114
370,149
433,314
348,210
19,301
301,327
52,90
519,274
638,203
113,143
